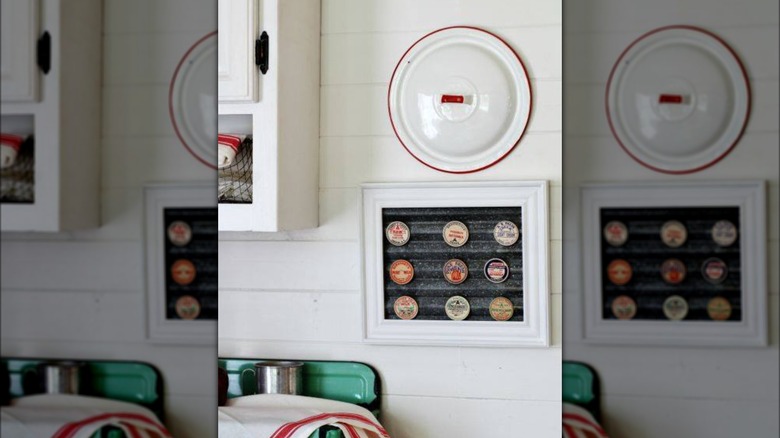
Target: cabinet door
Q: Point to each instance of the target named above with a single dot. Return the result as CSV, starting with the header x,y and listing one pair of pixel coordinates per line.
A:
x,y
237,72
18,37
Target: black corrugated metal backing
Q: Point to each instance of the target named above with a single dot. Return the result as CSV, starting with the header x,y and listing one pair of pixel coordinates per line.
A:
x,y
201,251
645,251
427,252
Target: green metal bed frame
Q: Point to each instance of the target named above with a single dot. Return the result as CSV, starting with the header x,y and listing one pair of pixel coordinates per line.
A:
x,y
129,381
351,382
581,386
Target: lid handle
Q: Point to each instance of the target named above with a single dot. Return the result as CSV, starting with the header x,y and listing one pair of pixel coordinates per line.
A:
x,y
452,98
671,98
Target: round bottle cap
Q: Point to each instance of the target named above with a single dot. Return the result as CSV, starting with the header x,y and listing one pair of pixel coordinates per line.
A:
x,y
714,270
675,307
455,234
455,271
183,272
674,234
401,272
719,309
724,233
406,307
179,233
615,233
187,307
457,308
397,233
496,270
506,233
619,272
623,307
673,271
501,309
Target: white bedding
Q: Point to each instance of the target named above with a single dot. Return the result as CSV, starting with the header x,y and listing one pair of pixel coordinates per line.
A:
x,y
77,416
292,416
579,423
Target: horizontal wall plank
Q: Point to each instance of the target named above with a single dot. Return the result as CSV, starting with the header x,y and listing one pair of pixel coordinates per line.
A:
x,y
187,370
190,388
63,315
602,159
487,373
294,266
145,58
407,15
152,16
361,110
338,220
370,58
589,16
72,266
590,56
414,417
347,162
192,416
719,373
137,160
690,417
136,111
290,316
120,210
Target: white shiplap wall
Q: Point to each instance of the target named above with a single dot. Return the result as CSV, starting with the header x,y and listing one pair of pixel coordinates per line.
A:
x,y
656,391
82,294
298,294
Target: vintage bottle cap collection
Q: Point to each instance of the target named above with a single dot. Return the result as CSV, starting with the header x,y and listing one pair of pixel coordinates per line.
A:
x,y
616,233
401,272
455,234
454,270
397,233
624,307
683,271
406,307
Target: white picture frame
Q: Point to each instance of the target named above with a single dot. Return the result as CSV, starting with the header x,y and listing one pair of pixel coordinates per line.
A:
x,y
749,196
531,196
158,197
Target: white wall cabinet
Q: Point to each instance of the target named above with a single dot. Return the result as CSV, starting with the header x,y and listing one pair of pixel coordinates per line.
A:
x,y
278,108
19,34
64,118
238,31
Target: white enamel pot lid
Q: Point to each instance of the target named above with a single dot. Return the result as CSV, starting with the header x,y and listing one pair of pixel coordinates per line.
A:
x,y
192,100
459,99
678,99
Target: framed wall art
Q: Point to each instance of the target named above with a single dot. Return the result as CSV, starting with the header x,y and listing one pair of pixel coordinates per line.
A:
x,y
675,264
181,262
456,264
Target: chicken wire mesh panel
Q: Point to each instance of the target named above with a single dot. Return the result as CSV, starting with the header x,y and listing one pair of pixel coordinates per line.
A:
x,y
17,182
235,181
